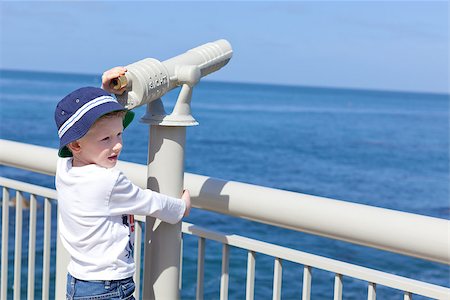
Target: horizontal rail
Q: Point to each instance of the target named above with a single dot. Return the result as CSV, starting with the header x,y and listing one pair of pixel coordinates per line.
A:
x,y
323,263
400,232
28,188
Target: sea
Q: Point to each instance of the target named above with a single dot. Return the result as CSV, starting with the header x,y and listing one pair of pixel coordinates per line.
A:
x,y
382,148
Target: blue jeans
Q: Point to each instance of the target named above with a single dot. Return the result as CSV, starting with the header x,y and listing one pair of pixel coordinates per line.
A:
x,y
99,289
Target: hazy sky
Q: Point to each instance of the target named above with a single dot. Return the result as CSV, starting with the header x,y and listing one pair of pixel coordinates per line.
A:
x,y
389,45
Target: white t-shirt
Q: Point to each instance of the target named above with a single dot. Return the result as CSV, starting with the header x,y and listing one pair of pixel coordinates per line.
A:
x,y
96,224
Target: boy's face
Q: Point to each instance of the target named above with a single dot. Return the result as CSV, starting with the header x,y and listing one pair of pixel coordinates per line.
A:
x,y
101,145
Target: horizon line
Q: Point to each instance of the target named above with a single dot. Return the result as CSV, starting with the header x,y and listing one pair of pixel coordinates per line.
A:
x,y
359,89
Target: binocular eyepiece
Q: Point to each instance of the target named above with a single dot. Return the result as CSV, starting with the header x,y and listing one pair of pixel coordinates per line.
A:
x,y
118,83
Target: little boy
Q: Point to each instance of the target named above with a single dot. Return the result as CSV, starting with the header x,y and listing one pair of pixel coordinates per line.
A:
x,y
97,202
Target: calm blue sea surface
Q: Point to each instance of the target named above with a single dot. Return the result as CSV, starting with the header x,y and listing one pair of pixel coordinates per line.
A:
x,y
386,149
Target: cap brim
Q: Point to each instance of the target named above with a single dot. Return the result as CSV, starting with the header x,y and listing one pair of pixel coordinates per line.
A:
x,y
129,116
64,152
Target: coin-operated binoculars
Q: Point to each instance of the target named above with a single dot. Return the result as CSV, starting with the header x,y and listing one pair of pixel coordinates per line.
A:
x,y
145,82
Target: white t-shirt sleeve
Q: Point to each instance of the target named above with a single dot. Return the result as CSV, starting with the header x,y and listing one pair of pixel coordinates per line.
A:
x,y
127,198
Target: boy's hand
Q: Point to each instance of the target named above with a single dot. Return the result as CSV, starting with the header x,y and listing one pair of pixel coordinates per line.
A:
x,y
187,199
111,74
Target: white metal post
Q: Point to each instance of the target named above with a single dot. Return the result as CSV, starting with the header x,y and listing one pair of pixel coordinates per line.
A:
x,y
163,240
62,261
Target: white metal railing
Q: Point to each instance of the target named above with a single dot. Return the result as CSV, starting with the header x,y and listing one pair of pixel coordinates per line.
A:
x,y
340,269
34,191
221,196
360,224
280,254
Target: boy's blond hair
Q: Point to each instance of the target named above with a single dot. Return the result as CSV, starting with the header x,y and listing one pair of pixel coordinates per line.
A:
x,y
113,114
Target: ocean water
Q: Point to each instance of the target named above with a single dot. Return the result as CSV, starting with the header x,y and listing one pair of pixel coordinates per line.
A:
x,y
381,148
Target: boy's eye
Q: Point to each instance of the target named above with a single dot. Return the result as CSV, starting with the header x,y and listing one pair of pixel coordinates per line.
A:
x,y
106,138
119,134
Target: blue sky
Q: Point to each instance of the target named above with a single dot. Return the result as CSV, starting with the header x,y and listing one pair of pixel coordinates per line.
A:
x,y
384,45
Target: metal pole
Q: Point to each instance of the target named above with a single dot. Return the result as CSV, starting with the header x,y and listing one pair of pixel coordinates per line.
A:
x,y
163,240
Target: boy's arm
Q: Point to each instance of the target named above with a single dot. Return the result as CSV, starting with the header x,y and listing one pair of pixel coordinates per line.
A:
x,y
127,198
111,74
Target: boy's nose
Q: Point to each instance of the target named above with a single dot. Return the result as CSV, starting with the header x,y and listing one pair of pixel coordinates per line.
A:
x,y
117,147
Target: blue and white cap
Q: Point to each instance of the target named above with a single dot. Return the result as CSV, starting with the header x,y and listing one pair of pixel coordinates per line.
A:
x,y
78,111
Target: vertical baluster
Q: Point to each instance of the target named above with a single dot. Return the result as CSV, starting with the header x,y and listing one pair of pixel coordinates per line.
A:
x,y
180,274
18,246
407,296
277,279
31,246
200,268
137,258
5,229
225,276
337,287
307,276
372,292
46,249
250,289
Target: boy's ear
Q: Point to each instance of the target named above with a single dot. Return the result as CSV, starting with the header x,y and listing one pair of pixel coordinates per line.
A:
x,y
75,147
